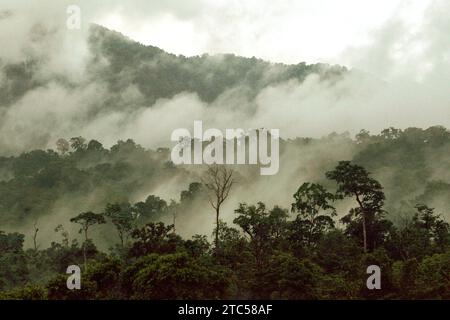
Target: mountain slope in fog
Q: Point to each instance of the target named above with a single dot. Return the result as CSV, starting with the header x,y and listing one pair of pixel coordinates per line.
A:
x,y
120,62
159,74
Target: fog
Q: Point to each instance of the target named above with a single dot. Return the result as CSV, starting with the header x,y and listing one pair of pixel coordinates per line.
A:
x,y
399,77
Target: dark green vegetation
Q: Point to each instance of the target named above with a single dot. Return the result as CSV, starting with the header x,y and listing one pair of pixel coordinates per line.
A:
x,y
159,74
118,62
323,220
375,208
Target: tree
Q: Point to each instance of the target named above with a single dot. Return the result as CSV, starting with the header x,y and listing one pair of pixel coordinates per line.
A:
x,y
94,145
233,247
122,216
78,143
197,246
86,220
264,228
105,275
153,238
294,278
425,234
433,277
62,146
218,181
362,137
176,276
13,265
404,274
189,195
338,254
391,133
312,203
436,229
354,181
152,209
36,230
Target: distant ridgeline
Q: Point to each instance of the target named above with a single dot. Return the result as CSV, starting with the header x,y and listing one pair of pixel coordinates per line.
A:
x,y
159,74
121,62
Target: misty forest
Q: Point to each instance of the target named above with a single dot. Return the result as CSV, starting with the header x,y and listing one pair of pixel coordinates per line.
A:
x,y
80,187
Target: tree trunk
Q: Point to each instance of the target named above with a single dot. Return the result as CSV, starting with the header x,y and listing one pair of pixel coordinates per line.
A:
x,y
121,236
364,231
217,229
174,223
35,241
363,214
310,231
84,248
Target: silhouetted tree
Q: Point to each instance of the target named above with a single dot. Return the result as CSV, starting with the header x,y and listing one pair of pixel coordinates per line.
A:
x,y
355,181
218,180
87,220
123,217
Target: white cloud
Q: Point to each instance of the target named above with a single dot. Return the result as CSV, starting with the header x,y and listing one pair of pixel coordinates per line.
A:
x,y
288,31
410,49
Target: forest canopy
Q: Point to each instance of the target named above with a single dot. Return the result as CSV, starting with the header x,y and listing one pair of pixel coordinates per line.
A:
x,y
317,246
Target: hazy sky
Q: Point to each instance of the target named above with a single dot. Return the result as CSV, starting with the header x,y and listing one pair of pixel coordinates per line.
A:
x,y
289,31
283,31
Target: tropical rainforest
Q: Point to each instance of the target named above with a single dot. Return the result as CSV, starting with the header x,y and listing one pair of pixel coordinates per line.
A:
x,y
140,227
311,249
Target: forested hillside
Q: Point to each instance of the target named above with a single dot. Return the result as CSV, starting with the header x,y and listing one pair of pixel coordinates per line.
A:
x,y
86,178
120,62
310,247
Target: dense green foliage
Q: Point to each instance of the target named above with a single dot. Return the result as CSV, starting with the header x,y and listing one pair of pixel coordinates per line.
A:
x,y
375,199
319,249
159,74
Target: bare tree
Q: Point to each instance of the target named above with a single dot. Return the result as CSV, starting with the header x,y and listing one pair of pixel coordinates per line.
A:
x,y
218,180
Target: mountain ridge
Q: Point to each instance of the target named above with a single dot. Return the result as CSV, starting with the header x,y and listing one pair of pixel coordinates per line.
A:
x,y
120,61
159,74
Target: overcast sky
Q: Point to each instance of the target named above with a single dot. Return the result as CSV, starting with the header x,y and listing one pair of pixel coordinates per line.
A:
x,y
283,31
289,31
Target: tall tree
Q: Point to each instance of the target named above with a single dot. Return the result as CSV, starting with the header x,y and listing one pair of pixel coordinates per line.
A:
x,y
355,181
312,203
36,230
87,220
122,216
218,180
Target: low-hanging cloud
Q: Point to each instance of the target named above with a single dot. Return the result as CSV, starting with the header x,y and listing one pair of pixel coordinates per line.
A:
x,y
405,84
